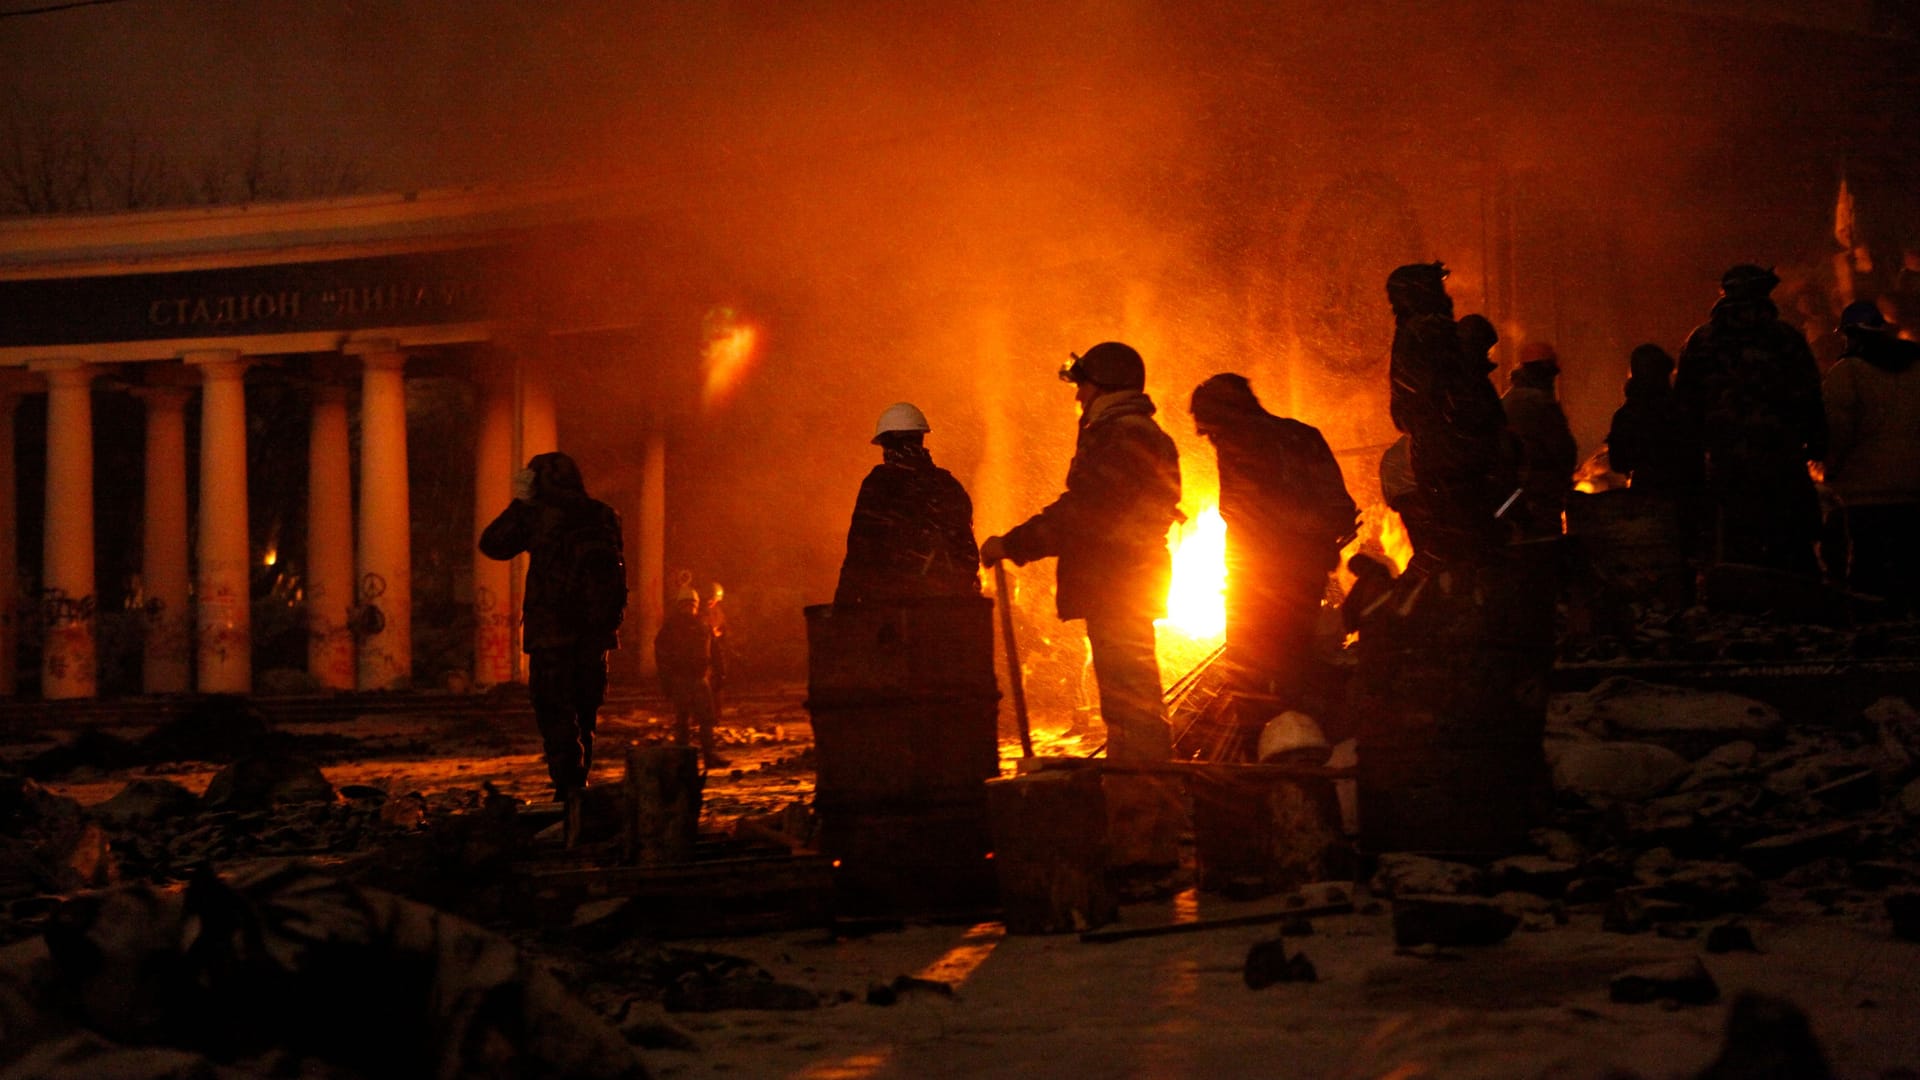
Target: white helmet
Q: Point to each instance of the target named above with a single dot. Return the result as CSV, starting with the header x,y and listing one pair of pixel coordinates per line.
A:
x,y
1293,736
901,416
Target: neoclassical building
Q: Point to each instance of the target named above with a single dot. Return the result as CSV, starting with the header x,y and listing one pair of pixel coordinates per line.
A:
x,y
173,307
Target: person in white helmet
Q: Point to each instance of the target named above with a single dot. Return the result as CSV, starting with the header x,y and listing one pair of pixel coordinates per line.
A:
x,y
912,530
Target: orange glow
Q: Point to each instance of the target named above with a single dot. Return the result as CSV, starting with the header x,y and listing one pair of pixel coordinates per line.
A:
x,y
958,964
727,355
1197,597
1395,541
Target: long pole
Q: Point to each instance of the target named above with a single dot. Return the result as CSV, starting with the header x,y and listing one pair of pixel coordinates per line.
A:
x,y
1014,677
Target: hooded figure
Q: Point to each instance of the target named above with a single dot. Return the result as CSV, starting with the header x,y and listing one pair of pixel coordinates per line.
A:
x,y
1458,444
1652,440
570,617
1873,452
1751,386
912,529
1287,513
1548,452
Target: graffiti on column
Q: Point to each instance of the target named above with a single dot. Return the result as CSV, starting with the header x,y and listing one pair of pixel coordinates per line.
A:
x,y
493,639
223,629
379,666
167,635
67,623
329,643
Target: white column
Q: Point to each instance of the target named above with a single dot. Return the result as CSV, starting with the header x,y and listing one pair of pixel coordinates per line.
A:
x,y
493,468
653,544
386,546
166,665
329,588
9,553
222,593
67,664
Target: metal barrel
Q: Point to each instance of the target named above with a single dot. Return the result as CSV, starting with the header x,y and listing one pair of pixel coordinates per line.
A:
x,y
905,710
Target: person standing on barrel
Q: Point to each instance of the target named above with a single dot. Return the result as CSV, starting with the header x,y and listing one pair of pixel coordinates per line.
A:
x,y
912,530
1109,532
576,598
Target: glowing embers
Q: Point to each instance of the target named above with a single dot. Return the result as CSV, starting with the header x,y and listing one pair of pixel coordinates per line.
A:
x,y
1197,598
728,348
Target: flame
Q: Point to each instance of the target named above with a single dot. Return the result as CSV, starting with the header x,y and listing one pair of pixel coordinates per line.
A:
x,y
726,356
1395,541
1197,597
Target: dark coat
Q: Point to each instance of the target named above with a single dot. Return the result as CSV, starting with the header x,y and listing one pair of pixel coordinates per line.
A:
x,y
1752,387
560,505
1653,442
1462,454
911,536
682,650
1109,528
1548,454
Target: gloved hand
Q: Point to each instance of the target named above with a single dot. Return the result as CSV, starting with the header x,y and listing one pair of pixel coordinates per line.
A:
x,y
992,550
523,485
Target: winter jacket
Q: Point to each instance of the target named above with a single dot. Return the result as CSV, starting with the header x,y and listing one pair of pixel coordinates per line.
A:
x,y
911,535
1109,528
1652,441
1548,452
682,650
560,505
1751,385
1873,423
1462,455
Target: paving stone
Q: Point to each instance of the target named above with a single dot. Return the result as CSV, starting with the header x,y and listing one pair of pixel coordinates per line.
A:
x,y
1534,874
1400,873
1775,855
147,800
1639,909
1685,981
1450,920
1610,771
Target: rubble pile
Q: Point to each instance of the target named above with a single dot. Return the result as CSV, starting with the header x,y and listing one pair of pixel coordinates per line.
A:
x,y
1649,632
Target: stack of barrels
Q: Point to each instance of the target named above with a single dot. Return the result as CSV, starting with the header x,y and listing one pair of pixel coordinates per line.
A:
x,y
905,712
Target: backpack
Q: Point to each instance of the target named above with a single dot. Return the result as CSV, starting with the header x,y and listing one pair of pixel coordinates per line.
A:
x,y
592,575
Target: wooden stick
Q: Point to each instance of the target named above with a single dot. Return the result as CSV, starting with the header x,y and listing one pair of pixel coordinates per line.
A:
x,y
1015,679
1103,937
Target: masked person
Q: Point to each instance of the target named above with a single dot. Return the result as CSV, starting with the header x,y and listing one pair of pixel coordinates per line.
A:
x,y
1548,454
1750,385
1457,441
683,655
912,530
576,597
1288,515
1873,454
1109,532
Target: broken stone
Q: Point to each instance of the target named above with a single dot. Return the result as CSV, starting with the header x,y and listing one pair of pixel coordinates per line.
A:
x,y
1730,937
1685,981
1611,771
258,783
694,992
218,727
1401,873
1450,920
1692,722
1558,844
1589,890
407,811
1903,908
1881,873
1319,894
1909,801
881,994
1897,727
1534,874
147,800
1677,931
1775,855
363,793
1712,888
1268,963
1638,909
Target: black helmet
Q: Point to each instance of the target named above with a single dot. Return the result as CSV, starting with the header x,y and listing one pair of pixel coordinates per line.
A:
x,y
1419,289
1108,365
1748,282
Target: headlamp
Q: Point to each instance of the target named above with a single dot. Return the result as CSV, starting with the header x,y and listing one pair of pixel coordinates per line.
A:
x,y
1071,372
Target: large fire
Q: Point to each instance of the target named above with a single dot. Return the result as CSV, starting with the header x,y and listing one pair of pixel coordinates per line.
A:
x,y
1197,597
726,356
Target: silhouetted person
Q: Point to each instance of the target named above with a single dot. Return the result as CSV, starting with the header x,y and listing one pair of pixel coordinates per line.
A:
x,y
1873,454
716,617
1548,454
1750,384
1652,440
1288,514
575,600
1458,444
683,656
912,530
1109,531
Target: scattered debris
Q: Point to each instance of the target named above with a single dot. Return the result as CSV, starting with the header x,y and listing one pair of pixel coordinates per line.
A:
x,y
1268,962
1685,981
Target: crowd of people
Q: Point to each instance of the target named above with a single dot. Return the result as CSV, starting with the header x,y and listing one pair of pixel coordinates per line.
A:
x,y
1730,437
